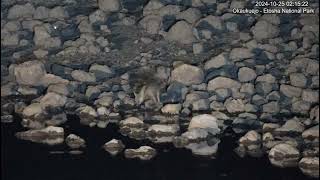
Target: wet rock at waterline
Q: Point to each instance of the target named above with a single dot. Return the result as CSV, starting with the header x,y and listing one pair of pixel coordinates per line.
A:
x,y
75,142
7,119
160,133
310,166
203,148
50,135
205,121
142,153
250,144
284,155
201,141
114,146
87,115
133,127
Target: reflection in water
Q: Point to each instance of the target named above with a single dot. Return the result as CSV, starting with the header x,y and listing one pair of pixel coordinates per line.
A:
x,y
37,163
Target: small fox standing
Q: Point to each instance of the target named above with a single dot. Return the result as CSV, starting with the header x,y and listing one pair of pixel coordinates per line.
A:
x,y
146,85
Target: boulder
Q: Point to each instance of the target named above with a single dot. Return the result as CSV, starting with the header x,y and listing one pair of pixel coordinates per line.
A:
x,y
267,78
21,11
41,12
61,89
151,7
239,54
109,5
187,74
133,127
265,30
251,137
234,105
101,72
190,15
142,153
217,61
83,76
181,32
161,133
201,105
97,16
30,73
290,91
311,96
92,92
271,107
53,100
114,146
50,135
203,148
87,115
195,135
75,142
311,133
105,100
251,144
207,27
284,155
151,24
301,107
58,12
32,110
246,74
223,82
42,38
49,79
131,122
292,126
205,121
310,166
298,80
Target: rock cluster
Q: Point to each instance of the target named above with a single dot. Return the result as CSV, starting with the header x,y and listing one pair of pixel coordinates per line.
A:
x,y
50,135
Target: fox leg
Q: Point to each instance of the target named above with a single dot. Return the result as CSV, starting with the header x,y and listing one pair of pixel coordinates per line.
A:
x,y
139,97
158,96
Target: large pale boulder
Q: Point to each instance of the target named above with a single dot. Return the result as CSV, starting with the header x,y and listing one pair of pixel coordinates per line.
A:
x,y
310,166
205,121
223,83
109,5
30,73
284,155
21,11
187,74
181,32
265,30
53,100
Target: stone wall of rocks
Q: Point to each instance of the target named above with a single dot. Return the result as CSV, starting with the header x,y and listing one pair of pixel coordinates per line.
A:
x,y
258,74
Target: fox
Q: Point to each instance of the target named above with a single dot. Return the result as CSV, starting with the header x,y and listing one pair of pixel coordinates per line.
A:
x,y
148,92
146,85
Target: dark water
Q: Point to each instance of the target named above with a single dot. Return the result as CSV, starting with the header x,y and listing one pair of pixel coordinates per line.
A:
x,y
22,160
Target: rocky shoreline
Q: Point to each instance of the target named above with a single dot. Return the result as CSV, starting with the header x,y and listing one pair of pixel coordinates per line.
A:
x,y
256,74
